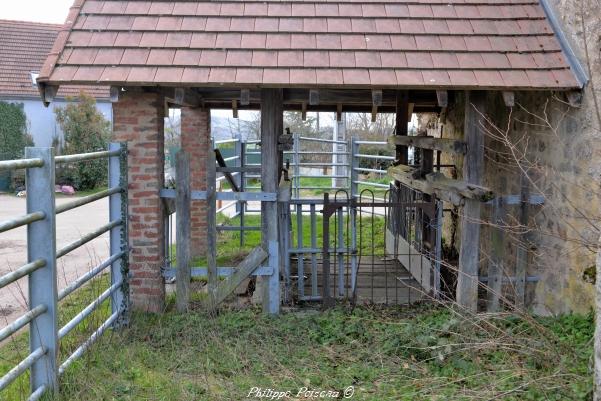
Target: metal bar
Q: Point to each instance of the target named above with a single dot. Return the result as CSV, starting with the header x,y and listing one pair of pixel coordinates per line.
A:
x,y
87,199
21,272
340,254
300,257
314,283
66,329
370,170
319,153
117,166
21,322
304,138
20,164
229,205
41,244
21,221
377,143
376,157
89,275
36,395
86,238
220,142
323,176
85,156
373,184
79,351
18,370
323,164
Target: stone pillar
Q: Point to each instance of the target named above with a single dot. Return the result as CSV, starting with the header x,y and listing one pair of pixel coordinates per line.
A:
x,y
195,140
138,120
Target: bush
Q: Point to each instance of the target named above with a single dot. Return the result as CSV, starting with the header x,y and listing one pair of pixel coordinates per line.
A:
x,y
86,130
13,131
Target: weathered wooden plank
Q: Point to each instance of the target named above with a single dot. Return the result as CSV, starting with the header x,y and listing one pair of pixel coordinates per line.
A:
x,y
213,277
447,189
272,126
182,168
425,142
243,271
495,267
521,265
473,170
402,121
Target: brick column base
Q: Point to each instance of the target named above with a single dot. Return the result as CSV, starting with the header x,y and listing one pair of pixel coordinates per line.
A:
x,y
138,120
195,140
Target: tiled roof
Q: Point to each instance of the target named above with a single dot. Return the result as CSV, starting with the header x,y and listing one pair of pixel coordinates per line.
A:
x,y
370,43
23,48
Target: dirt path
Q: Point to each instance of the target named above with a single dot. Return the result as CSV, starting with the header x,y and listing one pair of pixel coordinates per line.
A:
x,y
70,226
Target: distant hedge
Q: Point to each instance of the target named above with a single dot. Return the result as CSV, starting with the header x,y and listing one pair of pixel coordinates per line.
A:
x,y
13,130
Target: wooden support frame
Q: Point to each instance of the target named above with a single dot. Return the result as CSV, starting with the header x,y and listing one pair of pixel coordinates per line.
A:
x,y
473,170
182,202
450,190
402,125
442,97
509,98
272,126
424,142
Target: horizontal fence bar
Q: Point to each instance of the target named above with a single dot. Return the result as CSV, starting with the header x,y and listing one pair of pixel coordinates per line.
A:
x,y
316,153
229,205
229,159
20,164
222,141
21,322
86,156
375,143
221,271
304,138
372,184
79,351
66,329
375,157
21,272
87,199
237,228
21,367
321,164
21,221
86,238
319,250
370,170
89,275
321,176
36,395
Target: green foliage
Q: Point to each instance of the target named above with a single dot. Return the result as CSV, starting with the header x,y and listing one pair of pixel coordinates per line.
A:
x,y
86,130
13,130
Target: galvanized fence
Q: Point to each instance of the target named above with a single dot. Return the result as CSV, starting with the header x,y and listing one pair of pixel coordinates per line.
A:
x,y
45,336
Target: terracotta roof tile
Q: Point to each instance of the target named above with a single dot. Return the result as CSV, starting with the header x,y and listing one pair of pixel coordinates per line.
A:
x,y
432,43
115,74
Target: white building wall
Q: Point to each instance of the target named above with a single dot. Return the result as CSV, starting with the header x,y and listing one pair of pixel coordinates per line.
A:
x,y
41,121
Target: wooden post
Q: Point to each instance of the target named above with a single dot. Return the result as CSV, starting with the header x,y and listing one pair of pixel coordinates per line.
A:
x,y
182,170
473,168
427,166
272,126
495,267
212,227
402,121
521,265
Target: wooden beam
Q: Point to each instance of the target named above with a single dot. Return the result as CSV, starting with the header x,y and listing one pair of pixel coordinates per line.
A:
x,y
443,98
243,270
235,108
575,98
521,266
339,112
181,96
447,189
304,111
442,144
213,277
272,126
495,267
509,98
245,97
473,170
402,125
313,97
182,201
115,91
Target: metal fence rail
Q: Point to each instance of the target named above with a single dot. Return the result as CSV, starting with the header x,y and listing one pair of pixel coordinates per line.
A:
x,y
42,317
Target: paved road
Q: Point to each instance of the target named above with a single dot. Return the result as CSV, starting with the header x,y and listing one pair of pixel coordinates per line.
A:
x,y
70,226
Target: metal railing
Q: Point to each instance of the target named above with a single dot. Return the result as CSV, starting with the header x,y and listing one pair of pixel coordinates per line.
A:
x,y
41,267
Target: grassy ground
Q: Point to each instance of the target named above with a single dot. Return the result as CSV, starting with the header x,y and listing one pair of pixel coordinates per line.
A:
x,y
422,353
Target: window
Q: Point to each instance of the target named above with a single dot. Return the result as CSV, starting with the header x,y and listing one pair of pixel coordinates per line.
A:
x,y
34,76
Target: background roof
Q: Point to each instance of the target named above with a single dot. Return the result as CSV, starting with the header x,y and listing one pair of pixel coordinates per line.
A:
x,y
489,44
24,47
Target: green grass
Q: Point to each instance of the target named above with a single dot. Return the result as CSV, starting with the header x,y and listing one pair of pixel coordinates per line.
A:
x,y
16,349
419,353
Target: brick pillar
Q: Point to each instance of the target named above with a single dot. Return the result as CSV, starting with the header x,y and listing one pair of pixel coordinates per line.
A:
x,y
195,140
138,120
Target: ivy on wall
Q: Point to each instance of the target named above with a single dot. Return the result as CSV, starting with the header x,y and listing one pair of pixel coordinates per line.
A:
x,y
13,130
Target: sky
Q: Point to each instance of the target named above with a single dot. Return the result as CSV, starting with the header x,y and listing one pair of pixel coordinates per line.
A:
x,y
50,11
